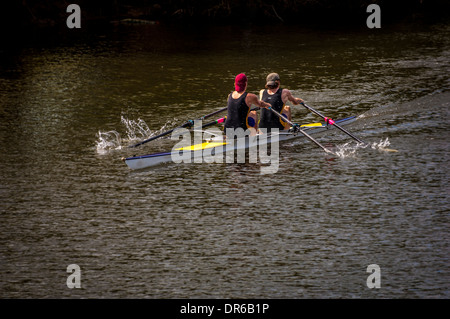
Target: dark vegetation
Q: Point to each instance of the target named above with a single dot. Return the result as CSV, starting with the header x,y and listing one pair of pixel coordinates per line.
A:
x,y
51,13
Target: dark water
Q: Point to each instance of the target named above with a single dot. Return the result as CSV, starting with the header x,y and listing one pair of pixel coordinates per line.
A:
x,y
224,230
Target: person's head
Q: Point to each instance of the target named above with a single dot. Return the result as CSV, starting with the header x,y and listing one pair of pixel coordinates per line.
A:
x,y
272,81
240,82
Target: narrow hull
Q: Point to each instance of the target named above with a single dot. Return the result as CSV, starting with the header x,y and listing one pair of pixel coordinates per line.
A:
x,y
200,152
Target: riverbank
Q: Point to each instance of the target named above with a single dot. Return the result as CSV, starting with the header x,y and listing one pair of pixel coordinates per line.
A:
x,y
52,14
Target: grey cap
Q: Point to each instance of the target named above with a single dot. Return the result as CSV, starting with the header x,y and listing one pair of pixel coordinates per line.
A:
x,y
271,78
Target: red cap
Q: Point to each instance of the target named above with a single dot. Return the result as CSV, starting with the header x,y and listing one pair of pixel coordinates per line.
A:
x,y
239,82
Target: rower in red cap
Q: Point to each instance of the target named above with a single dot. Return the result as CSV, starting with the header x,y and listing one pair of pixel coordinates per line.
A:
x,y
239,103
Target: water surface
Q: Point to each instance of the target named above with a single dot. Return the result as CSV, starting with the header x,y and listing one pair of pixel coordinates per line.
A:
x,y
224,230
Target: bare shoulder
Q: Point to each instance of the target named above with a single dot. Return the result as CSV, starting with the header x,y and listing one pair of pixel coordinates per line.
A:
x,y
286,92
286,95
251,99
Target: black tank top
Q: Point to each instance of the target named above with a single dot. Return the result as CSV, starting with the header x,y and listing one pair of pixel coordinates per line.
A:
x,y
268,118
237,112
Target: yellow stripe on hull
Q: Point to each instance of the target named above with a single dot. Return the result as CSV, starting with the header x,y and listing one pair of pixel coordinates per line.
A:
x,y
206,145
202,146
311,125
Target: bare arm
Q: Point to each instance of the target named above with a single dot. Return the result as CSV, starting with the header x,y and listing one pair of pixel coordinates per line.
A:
x,y
287,96
253,99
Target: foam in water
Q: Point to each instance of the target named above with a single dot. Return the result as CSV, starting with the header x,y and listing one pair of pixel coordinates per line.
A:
x,y
108,141
135,131
112,140
350,149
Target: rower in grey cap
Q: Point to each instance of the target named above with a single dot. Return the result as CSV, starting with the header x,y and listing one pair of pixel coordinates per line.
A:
x,y
277,98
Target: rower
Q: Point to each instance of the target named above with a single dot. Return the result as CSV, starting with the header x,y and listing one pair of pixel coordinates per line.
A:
x,y
277,98
239,103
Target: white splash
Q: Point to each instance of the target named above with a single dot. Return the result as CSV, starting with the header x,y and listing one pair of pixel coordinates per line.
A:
x,y
112,140
381,145
108,141
350,149
135,131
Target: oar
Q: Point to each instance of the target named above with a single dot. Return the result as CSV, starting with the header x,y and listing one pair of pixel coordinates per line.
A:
x,y
296,127
218,121
330,121
187,124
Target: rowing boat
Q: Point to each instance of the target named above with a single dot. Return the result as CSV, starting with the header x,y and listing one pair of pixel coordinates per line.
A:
x,y
212,147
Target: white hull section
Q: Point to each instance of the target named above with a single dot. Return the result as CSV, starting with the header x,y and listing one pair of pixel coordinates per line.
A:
x,y
201,155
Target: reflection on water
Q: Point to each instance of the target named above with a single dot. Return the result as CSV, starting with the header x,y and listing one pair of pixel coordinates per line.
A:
x,y
221,230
